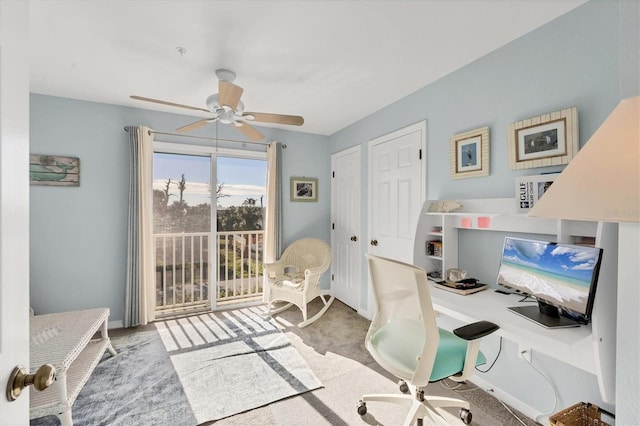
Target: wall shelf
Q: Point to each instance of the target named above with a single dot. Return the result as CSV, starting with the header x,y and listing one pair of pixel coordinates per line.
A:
x,y
592,347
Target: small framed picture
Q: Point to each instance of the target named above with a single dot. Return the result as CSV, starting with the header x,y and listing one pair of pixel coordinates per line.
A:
x,y
304,189
547,140
469,154
529,189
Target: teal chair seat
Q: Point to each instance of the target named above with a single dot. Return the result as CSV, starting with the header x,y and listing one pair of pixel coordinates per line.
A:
x,y
401,342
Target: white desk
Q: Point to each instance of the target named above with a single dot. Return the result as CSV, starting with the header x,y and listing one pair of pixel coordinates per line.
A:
x,y
591,348
575,346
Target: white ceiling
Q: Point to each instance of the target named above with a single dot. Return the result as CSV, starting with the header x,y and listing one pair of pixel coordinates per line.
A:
x,y
333,62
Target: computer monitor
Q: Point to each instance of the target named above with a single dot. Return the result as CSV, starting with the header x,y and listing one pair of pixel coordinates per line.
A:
x,y
562,277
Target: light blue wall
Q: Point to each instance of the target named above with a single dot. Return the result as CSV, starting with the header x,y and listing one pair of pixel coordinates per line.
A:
x,y
78,234
573,61
307,156
587,58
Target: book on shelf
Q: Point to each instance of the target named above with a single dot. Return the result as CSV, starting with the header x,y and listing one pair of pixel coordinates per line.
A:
x,y
434,248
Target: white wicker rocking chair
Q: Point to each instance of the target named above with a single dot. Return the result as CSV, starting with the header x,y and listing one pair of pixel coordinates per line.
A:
x,y
295,278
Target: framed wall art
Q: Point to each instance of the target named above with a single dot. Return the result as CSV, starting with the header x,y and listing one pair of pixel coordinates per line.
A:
x,y
52,170
469,154
304,189
546,140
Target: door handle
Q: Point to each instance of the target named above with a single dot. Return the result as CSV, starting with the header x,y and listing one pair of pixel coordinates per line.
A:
x,y
374,242
354,238
19,379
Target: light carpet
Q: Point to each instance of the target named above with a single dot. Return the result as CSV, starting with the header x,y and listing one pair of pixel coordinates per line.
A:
x,y
203,368
232,361
138,387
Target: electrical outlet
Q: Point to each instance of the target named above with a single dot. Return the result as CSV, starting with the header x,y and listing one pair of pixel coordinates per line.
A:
x,y
525,354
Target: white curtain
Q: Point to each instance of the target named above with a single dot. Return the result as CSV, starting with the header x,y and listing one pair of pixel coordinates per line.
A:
x,y
140,291
273,220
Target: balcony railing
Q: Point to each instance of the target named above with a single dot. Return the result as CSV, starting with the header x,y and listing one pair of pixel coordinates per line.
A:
x,y
182,269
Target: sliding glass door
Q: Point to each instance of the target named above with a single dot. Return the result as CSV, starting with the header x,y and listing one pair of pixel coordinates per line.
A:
x,y
241,189
207,257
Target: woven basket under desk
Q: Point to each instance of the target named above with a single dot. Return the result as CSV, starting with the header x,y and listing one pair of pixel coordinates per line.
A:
x,y
580,414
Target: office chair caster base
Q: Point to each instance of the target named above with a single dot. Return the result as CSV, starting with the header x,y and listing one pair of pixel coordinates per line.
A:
x,y
404,387
362,408
465,416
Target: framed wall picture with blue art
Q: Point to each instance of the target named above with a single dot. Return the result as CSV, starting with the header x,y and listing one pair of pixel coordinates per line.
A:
x,y
469,154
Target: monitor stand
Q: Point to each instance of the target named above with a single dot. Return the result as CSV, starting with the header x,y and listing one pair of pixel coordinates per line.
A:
x,y
533,313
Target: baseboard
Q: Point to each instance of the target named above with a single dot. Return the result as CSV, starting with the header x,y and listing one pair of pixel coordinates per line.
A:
x,y
115,324
506,398
365,313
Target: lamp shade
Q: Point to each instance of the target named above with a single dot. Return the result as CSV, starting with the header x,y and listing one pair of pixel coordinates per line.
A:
x,y
602,182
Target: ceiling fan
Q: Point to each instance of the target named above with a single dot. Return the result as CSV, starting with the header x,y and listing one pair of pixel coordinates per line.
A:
x,y
226,107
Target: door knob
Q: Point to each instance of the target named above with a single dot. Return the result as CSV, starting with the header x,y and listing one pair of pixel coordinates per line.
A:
x,y
19,379
374,242
354,238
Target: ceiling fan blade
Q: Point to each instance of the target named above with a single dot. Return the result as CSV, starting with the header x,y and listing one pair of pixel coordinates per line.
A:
x,y
229,94
250,131
157,101
193,126
294,120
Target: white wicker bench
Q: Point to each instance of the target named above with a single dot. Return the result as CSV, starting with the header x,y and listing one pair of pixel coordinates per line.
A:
x,y
65,341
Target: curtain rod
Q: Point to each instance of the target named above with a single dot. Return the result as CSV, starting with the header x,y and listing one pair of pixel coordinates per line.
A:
x,y
201,137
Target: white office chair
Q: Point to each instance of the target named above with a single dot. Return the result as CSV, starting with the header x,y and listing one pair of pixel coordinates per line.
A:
x,y
406,341
295,278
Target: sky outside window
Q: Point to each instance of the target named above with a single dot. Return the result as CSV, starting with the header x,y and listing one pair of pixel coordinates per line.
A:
x,y
243,178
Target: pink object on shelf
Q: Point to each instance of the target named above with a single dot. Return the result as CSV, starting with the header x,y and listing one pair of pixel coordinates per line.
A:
x,y
484,222
465,222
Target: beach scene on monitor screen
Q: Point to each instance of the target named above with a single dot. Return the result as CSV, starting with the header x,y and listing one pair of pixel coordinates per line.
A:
x,y
558,274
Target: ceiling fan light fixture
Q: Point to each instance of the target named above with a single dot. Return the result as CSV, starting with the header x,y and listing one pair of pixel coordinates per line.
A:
x,y
212,103
225,75
227,108
226,117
